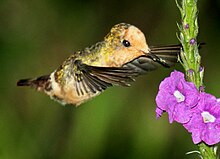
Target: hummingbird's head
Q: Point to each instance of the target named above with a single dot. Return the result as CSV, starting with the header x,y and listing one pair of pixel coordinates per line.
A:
x,y
126,42
128,36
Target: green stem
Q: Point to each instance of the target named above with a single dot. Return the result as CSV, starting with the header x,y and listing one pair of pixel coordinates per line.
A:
x,y
207,152
190,58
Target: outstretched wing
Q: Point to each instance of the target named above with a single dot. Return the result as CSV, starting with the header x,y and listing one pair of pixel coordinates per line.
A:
x,y
166,56
96,79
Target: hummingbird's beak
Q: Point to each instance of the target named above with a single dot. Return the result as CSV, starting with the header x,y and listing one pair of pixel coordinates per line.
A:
x,y
145,49
145,52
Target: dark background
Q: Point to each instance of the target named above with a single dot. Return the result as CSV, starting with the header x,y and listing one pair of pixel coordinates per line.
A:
x,y
36,36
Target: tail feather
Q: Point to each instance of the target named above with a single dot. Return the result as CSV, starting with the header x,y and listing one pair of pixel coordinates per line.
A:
x,y
24,82
38,83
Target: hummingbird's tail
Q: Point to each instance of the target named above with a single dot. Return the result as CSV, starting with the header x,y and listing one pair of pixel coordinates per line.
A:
x,y
40,83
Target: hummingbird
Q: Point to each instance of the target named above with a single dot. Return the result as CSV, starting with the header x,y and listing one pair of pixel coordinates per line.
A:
x,y
116,61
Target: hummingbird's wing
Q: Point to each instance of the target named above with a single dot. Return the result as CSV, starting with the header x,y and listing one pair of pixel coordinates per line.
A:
x,y
114,75
99,78
166,56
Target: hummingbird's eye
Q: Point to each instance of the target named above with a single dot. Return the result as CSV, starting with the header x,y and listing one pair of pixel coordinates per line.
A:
x,y
126,43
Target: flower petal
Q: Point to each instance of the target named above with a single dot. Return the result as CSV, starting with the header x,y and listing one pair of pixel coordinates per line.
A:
x,y
177,97
182,114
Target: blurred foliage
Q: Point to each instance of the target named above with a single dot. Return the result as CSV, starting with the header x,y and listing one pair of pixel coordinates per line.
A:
x,y
36,36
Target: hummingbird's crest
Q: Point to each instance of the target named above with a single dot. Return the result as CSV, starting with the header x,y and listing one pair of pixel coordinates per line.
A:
x,y
116,33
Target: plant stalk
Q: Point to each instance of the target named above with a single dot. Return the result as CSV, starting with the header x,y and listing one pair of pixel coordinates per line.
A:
x,y
190,58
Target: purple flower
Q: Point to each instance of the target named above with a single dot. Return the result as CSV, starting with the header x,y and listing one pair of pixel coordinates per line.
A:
x,y
191,71
205,122
177,97
187,26
198,112
201,69
192,41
